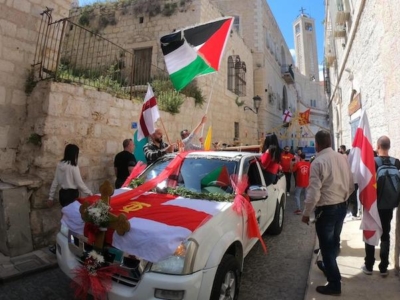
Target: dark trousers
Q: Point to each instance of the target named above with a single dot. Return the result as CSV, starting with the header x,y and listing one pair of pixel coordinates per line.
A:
x,y
386,216
328,227
288,176
67,196
119,182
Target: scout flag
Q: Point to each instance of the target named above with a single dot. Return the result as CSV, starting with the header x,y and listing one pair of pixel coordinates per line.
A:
x,y
287,116
149,115
138,151
304,117
362,164
207,141
195,51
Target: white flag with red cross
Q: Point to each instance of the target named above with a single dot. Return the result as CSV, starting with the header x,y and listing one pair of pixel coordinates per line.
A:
x,y
287,116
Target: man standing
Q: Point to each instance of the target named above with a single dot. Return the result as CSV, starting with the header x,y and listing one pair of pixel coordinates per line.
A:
x,y
302,171
385,208
286,163
156,147
187,137
124,163
331,183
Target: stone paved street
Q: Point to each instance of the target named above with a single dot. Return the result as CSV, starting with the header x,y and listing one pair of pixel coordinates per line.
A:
x,y
280,274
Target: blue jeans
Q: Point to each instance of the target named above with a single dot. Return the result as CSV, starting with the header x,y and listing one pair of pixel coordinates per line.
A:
x,y
329,226
297,195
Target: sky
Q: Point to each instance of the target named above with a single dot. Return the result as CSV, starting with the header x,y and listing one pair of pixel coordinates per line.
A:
x,y
286,11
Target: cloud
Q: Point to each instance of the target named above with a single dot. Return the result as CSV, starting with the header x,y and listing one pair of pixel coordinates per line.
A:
x,y
293,53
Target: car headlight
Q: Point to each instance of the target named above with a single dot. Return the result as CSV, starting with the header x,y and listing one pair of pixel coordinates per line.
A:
x,y
181,262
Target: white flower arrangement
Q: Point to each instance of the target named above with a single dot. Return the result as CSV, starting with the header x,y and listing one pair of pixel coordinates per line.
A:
x,y
98,213
93,261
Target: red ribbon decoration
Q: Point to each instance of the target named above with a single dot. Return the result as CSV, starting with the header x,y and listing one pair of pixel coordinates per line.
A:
x,y
137,170
242,205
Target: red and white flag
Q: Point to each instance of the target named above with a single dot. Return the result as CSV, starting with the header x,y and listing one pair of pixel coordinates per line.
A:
x,y
287,116
149,115
362,164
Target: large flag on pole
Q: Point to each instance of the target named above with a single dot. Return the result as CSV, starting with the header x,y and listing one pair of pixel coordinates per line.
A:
x,y
195,51
362,164
149,115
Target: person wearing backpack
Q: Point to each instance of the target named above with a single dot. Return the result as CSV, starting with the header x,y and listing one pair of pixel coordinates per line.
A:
x,y
388,192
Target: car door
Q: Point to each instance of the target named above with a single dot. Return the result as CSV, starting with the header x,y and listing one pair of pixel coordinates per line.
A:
x,y
252,169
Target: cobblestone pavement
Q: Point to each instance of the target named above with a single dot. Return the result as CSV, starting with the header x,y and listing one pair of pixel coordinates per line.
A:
x,y
280,274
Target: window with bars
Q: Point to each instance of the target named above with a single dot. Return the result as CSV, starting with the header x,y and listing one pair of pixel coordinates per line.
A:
x,y
236,130
236,24
236,75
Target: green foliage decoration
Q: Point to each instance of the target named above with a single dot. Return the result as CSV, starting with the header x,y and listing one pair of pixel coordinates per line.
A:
x,y
183,192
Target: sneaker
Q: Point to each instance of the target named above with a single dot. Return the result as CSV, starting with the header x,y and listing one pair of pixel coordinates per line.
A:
x,y
384,273
365,270
287,194
297,212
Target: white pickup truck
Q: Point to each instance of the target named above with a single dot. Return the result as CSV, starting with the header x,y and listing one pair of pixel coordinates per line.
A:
x,y
208,260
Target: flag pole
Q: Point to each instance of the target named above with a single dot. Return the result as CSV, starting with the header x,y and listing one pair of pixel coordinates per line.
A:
x,y
208,102
166,134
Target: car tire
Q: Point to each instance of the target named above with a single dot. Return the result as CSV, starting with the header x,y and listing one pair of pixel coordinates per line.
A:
x,y
277,224
227,279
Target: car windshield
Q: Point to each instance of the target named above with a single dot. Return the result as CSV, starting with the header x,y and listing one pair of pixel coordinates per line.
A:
x,y
199,174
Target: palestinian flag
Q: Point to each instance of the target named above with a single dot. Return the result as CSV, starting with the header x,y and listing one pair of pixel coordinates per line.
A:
x,y
220,174
195,51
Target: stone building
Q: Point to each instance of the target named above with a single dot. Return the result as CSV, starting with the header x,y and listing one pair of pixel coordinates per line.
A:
x,y
361,54
36,126
275,78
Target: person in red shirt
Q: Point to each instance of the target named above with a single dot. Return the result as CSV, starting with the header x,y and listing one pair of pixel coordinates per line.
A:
x,y
286,163
270,158
302,169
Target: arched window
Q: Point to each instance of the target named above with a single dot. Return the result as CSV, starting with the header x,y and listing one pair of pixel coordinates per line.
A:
x,y
236,75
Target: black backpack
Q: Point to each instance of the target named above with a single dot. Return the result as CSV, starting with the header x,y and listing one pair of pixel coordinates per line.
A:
x,y
388,183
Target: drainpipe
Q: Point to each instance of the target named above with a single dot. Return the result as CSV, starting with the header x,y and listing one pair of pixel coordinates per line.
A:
x,y
348,47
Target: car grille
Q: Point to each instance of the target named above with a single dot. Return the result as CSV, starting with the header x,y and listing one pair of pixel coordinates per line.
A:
x,y
129,268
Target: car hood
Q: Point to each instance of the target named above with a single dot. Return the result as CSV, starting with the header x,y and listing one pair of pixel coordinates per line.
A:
x,y
159,223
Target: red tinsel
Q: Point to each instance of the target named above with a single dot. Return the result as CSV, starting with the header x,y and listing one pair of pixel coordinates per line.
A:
x,y
242,205
98,282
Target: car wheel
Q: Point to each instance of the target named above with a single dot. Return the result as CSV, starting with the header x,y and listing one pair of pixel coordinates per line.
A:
x,y
277,224
227,280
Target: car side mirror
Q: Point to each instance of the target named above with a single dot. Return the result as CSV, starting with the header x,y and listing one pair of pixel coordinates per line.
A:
x,y
257,192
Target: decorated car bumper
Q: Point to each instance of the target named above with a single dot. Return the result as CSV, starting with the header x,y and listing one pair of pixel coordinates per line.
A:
x,y
150,285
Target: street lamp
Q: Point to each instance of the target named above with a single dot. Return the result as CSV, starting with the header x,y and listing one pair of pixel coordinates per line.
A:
x,y
256,104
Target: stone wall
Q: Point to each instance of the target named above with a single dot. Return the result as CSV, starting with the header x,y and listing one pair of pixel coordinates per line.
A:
x,y
132,32
98,123
19,25
371,69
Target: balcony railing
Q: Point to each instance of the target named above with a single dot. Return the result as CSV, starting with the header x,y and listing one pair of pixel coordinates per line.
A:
x,y
287,73
342,14
68,52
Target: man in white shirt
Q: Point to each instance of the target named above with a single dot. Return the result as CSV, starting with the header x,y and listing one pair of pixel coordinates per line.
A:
x,y
331,184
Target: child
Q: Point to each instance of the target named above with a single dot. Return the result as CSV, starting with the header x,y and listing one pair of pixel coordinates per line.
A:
x,y
302,169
